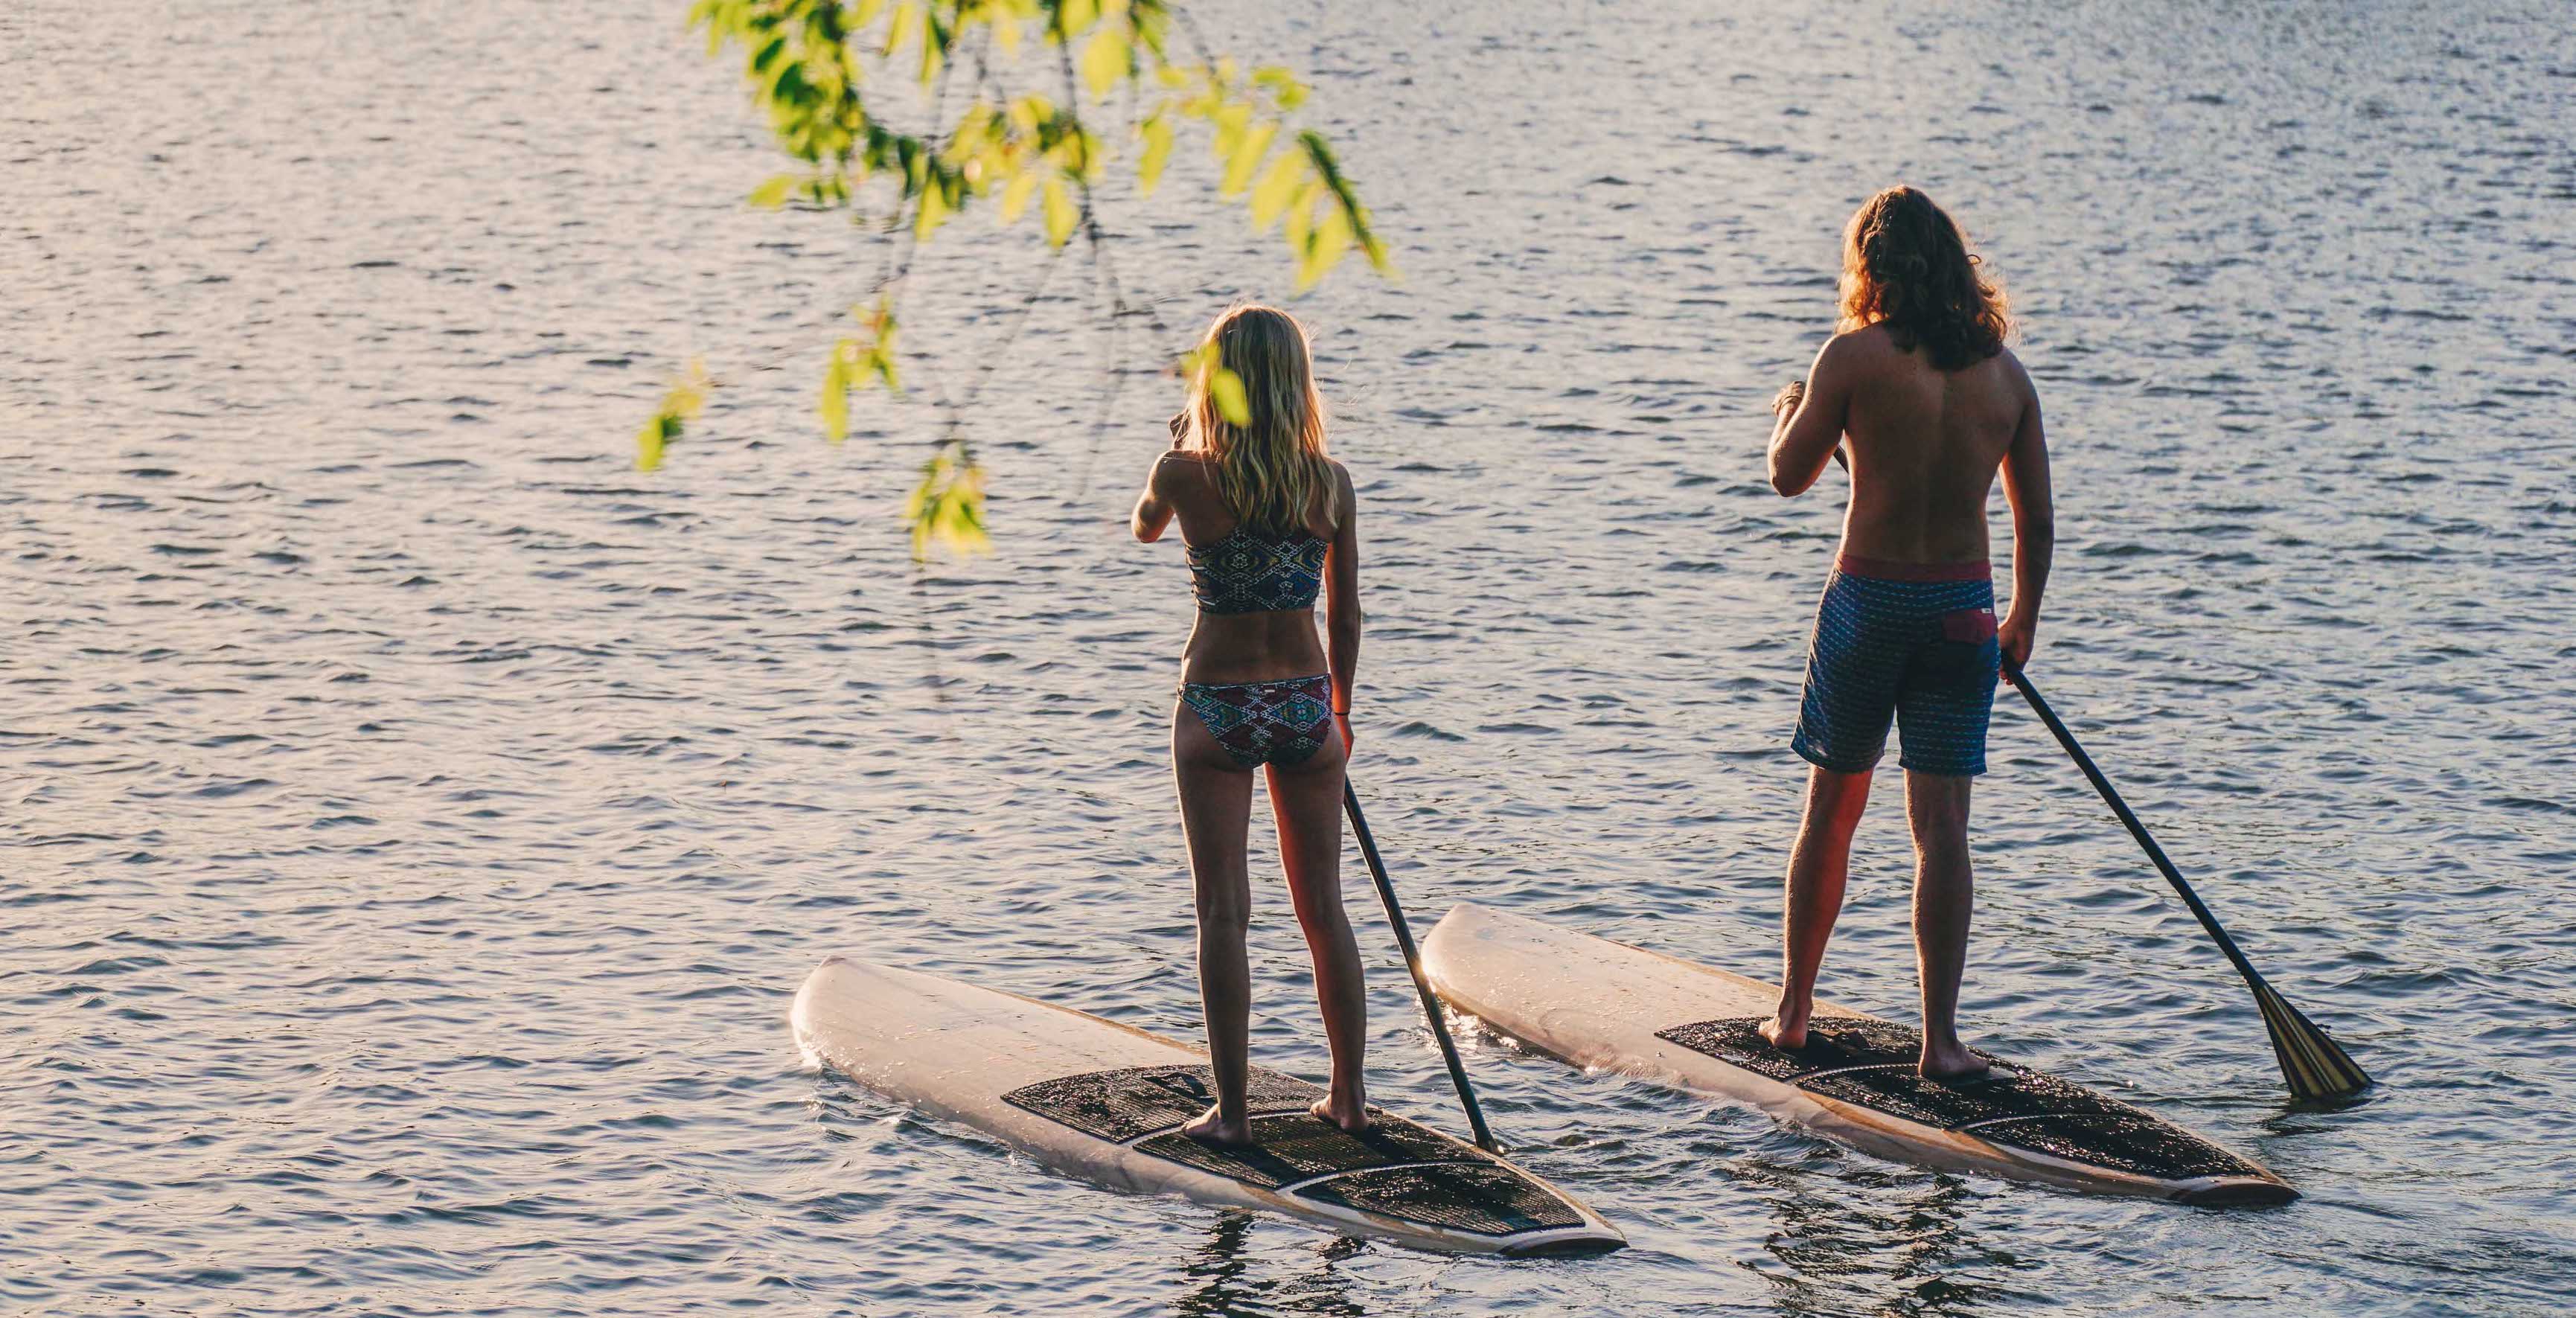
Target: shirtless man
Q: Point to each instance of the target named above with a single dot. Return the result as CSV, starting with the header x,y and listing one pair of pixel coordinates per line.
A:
x,y
1918,384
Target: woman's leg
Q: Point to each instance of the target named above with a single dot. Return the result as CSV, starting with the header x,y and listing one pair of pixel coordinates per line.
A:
x,y
1306,799
1216,812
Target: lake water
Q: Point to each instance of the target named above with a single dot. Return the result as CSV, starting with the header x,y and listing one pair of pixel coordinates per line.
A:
x,y
417,819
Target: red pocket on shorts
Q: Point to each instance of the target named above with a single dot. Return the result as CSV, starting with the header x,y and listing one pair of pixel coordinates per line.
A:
x,y
1974,626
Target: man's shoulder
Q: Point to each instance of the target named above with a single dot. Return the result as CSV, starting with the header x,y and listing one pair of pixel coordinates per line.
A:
x,y
1873,338
2013,372
1859,350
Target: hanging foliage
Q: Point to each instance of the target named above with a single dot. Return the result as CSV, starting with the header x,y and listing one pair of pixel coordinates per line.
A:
x,y
1017,96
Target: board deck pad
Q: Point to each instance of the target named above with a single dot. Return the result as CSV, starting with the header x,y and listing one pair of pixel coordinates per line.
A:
x,y
1121,1105
1470,1196
1395,1168
2143,1145
1870,1063
1290,1147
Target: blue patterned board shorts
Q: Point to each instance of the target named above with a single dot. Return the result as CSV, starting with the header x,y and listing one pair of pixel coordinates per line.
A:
x,y
1910,642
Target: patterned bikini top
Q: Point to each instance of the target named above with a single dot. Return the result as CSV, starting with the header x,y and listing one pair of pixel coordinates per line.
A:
x,y
1248,571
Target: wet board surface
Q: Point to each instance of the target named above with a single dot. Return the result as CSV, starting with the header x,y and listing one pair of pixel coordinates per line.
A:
x,y
1106,1102
1607,1005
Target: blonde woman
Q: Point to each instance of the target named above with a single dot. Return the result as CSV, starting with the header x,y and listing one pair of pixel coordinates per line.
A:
x,y
1267,519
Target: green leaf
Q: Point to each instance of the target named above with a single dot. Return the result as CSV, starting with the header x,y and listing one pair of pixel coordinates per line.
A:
x,y
947,507
679,403
1157,132
905,25
1283,85
1105,59
835,403
650,442
772,194
1016,194
1246,157
1225,389
1324,248
1278,185
1061,213
934,210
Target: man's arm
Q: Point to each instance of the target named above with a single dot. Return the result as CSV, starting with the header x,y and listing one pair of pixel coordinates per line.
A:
x,y
1809,430
2034,518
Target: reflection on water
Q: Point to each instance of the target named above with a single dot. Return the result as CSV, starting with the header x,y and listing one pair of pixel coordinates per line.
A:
x,y
1914,1256
417,820
1221,1283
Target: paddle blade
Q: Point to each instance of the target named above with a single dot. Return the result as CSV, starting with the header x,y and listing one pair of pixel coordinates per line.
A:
x,y
2317,1068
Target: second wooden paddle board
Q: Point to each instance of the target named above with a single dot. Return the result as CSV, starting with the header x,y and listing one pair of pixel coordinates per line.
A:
x,y
1606,1005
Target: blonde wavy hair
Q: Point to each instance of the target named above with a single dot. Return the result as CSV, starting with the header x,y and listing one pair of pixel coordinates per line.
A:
x,y
1272,471
1907,266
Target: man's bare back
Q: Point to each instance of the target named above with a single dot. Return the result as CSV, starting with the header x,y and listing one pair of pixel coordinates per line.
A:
x,y
1923,446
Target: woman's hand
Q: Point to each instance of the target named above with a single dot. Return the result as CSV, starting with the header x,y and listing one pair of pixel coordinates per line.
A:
x,y
1179,425
1790,395
2017,636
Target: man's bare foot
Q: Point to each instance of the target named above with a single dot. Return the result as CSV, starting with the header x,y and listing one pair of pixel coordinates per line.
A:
x,y
1352,1117
1785,1032
1951,1063
1211,1128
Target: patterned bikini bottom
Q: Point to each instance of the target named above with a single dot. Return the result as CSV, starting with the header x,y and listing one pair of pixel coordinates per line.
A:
x,y
1283,722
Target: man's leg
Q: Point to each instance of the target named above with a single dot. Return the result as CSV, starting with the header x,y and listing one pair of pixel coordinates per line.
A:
x,y
1944,890
1819,864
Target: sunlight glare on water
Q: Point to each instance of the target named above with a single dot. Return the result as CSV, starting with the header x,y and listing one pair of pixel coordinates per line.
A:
x,y
419,820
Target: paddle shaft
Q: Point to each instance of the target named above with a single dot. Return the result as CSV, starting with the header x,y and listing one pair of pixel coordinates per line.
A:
x,y
1413,963
2111,796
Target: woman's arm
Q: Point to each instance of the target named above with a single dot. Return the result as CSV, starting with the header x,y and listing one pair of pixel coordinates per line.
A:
x,y
1154,507
1342,584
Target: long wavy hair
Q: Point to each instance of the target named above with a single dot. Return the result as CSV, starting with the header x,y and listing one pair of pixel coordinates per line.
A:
x,y
1907,266
1272,472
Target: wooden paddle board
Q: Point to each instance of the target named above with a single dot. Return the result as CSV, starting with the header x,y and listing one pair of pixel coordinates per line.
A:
x,y
1105,1102
1606,1005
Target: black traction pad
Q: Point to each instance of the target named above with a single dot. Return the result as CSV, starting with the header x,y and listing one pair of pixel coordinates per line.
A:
x,y
2139,1144
1395,1168
1481,1197
1870,1064
1294,1146
1833,1044
1120,1105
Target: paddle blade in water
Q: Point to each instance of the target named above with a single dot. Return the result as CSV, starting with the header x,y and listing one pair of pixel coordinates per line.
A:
x,y
2317,1068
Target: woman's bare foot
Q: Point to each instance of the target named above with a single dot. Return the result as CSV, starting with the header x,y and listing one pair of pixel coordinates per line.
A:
x,y
1213,1128
1352,1117
1950,1062
1786,1031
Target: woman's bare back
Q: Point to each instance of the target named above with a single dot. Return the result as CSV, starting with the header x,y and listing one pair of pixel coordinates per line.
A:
x,y
1242,647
